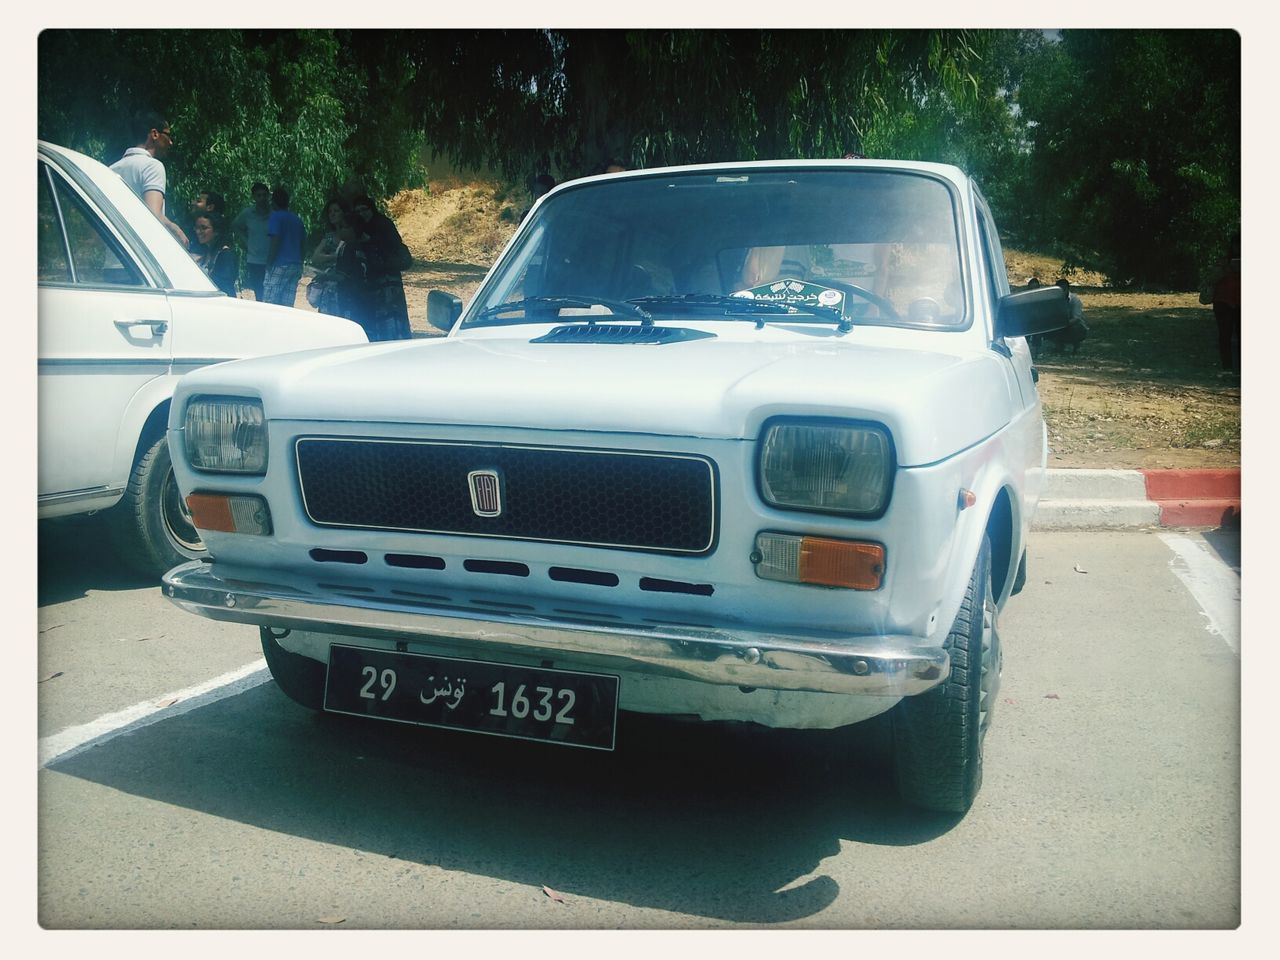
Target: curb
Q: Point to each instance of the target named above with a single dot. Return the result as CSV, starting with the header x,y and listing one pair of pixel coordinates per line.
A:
x,y
1138,499
1195,498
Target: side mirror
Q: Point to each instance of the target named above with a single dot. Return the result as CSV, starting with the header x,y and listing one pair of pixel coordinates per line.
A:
x,y
1028,312
443,310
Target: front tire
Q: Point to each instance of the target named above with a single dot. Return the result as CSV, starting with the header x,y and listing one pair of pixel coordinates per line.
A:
x,y
300,678
938,735
152,528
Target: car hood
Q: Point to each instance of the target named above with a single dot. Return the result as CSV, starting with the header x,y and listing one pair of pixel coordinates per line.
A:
x,y
933,403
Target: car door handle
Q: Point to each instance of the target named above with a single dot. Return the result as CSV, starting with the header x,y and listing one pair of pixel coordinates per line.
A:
x,y
158,327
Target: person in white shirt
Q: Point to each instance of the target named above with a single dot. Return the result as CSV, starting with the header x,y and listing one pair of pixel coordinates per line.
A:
x,y
1076,331
141,169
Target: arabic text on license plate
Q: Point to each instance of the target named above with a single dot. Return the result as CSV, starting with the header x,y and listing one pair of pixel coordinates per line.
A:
x,y
529,703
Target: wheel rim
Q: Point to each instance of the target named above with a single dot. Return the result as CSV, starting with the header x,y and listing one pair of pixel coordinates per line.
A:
x,y
177,519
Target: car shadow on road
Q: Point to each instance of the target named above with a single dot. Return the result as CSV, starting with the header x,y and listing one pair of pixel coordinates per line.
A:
x,y
1225,542
720,821
75,555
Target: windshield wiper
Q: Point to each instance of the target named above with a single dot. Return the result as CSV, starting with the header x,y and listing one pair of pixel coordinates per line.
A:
x,y
753,309
715,303
487,317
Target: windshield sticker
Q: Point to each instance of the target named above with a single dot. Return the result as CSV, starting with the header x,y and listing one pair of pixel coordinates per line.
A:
x,y
794,292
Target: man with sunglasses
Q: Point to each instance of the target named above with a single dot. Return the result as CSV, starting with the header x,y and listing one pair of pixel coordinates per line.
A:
x,y
141,169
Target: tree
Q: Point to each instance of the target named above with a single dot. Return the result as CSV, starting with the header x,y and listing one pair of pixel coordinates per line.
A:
x,y
315,108
1118,149
285,107
525,101
1135,155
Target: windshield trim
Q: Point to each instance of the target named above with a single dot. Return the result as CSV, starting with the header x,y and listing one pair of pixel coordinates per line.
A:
x,y
960,194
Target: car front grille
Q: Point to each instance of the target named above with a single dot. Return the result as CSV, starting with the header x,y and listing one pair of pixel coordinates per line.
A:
x,y
633,500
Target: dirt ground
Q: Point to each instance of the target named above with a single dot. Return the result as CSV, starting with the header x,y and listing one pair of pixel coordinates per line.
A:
x,y
1145,390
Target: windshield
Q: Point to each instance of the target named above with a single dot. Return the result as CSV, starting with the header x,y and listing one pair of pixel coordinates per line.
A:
x,y
873,246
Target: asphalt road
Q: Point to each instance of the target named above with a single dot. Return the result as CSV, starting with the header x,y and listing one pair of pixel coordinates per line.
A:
x,y
1111,800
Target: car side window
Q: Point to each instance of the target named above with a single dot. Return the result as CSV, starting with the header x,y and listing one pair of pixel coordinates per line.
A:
x,y
96,257
997,274
1000,273
52,265
988,280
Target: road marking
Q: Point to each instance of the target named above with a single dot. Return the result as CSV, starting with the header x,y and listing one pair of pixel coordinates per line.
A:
x,y
1213,584
74,740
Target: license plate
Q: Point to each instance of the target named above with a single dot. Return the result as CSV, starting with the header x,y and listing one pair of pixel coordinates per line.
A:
x,y
528,703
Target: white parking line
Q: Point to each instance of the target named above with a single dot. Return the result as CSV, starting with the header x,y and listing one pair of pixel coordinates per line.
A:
x,y
1215,586
73,740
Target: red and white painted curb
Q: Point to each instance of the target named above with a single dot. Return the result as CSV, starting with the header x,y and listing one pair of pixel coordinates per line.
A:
x,y
1134,499
1195,498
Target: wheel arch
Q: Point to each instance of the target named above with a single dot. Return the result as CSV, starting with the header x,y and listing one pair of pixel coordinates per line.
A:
x,y
1000,532
1002,524
152,428
143,422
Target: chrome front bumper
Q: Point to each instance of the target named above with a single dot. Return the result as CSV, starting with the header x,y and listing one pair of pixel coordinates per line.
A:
x,y
895,666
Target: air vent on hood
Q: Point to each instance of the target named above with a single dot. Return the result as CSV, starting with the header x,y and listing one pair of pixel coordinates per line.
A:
x,y
619,333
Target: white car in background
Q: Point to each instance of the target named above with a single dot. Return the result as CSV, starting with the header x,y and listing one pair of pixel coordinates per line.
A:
x,y
123,313
755,442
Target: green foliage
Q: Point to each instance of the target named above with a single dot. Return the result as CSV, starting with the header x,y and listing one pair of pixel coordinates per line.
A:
x,y
1119,150
293,108
1135,156
570,100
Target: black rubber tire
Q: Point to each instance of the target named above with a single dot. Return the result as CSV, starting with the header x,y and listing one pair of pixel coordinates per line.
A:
x,y
300,678
1020,578
149,527
937,736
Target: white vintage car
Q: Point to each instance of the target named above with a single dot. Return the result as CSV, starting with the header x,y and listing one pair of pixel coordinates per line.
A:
x,y
754,442
123,313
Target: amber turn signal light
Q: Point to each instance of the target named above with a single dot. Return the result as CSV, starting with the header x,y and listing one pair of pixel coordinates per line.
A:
x,y
853,564
230,514
841,563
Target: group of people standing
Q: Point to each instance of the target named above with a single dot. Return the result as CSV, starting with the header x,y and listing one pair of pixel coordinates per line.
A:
x,y
273,237
359,258
358,262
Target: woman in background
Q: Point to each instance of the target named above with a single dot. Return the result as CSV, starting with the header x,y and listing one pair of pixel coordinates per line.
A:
x,y
385,256
217,259
338,286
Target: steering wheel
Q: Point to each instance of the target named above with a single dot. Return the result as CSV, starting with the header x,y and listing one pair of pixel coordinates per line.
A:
x,y
882,302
